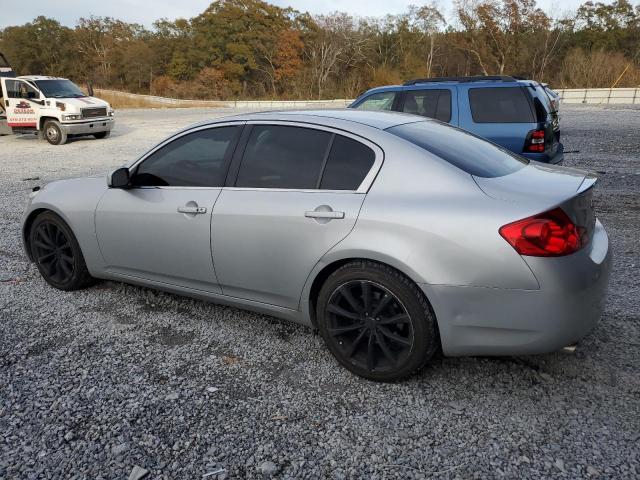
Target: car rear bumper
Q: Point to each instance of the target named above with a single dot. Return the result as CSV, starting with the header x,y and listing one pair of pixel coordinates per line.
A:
x,y
89,127
556,158
494,321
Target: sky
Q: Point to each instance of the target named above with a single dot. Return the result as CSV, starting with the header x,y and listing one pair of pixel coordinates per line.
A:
x,y
145,12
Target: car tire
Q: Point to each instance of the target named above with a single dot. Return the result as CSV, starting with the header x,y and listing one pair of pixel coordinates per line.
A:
x,y
57,255
376,321
101,135
53,133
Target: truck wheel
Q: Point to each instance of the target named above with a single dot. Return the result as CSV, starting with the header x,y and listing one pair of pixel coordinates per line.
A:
x,y
101,135
54,133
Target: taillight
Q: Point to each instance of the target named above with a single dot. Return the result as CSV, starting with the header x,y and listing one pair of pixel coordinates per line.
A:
x,y
549,234
535,141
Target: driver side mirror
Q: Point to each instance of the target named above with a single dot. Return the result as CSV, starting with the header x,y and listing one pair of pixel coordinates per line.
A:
x,y
120,178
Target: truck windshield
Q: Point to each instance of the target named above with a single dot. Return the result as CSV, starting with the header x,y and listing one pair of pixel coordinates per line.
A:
x,y
59,89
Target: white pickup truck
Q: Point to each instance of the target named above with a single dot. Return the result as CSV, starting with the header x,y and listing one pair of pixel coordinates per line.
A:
x,y
54,108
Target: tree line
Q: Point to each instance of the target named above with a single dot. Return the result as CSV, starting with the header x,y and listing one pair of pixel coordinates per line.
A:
x,y
252,49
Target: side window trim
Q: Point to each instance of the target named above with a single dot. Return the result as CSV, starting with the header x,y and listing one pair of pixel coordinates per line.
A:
x,y
244,139
325,160
228,157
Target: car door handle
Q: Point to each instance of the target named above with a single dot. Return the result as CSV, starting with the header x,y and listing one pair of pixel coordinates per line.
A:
x,y
321,214
192,210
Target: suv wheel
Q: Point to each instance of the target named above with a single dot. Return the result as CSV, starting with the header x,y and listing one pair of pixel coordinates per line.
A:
x,y
376,321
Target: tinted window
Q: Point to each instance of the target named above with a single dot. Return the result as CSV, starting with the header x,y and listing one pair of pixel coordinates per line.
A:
x,y
429,103
59,89
18,89
283,157
378,101
466,151
500,105
347,165
193,160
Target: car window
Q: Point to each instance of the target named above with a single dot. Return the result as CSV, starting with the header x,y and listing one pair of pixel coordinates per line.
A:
x,y
434,103
347,165
279,156
18,89
197,159
466,151
378,101
500,105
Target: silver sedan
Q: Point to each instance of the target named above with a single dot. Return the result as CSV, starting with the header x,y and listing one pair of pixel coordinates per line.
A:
x,y
394,236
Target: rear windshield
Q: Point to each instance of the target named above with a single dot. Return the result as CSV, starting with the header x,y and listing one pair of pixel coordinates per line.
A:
x,y
500,105
466,151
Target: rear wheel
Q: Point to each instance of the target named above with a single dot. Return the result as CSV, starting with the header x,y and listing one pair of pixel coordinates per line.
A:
x,y
54,133
57,254
376,321
101,135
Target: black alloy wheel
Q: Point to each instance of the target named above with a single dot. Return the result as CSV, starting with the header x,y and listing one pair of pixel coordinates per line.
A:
x,y
57,254
376,321
53,252
370,324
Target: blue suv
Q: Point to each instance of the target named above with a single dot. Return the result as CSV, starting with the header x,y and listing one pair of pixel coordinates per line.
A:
x,y
512,112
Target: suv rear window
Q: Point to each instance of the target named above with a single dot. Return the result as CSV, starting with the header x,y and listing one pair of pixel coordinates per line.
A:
x,y
500,105
466,151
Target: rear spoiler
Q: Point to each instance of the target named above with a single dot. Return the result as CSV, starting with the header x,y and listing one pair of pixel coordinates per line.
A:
x,y
589,181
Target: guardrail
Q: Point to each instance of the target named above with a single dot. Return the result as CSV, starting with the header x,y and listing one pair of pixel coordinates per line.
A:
x,y
628,96
244,104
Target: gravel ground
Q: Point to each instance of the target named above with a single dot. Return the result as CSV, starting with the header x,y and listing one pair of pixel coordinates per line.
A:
x,y
96,382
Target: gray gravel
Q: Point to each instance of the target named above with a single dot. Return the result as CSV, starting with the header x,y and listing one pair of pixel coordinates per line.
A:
x,y
115,380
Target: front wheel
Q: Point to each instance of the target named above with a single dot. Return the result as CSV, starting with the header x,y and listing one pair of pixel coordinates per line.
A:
x,y
101,135
54,133
57,254
376,321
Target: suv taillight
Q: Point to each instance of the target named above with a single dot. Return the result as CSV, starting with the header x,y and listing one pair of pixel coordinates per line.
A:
x,y
535,141
549,234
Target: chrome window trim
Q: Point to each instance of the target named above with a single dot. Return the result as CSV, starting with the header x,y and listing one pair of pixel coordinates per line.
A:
x,y
362,189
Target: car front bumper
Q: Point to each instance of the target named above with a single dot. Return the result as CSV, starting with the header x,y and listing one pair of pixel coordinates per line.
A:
x,y
88,127
494,321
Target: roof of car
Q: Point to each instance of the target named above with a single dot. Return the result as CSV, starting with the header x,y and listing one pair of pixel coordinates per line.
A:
x,y
38,77
477,81
375,119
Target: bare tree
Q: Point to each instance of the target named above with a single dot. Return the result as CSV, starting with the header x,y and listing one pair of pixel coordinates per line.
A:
x,y
428,20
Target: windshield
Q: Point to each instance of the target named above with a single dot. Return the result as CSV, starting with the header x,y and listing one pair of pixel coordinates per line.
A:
x,y
59,89
466,151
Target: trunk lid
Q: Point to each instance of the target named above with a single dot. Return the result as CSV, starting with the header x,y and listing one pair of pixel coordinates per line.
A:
x,y
541,187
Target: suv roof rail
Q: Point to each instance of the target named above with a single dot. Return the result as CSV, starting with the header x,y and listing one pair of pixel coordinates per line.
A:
x,y
476,78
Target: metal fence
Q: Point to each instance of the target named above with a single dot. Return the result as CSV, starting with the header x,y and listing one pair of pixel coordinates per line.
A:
x,y
244,104
628,96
